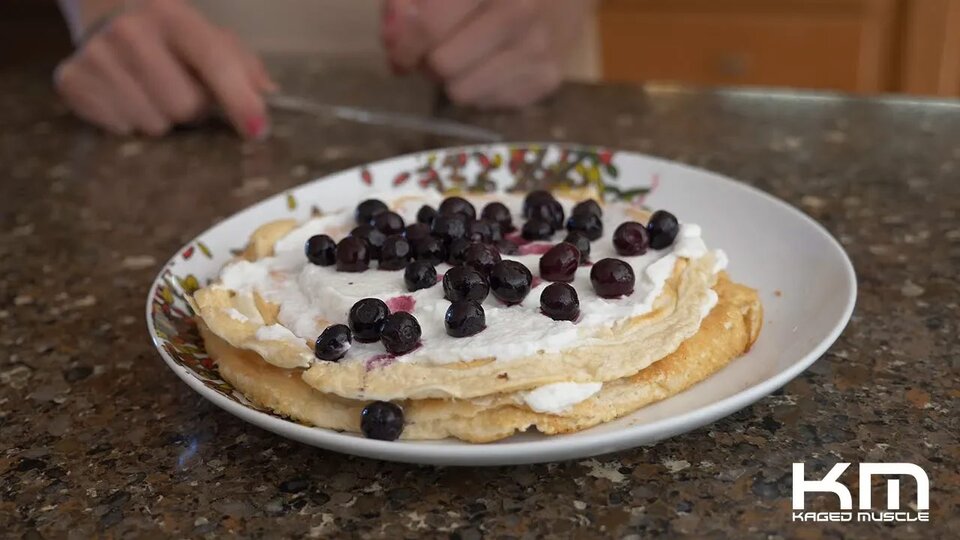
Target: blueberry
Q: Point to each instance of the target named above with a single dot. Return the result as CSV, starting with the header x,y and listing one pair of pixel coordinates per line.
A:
x,y
510,281
372,237
582,243
464,318
382,421
464,283
321,250
631,238
430,249
419,275
560,262
506,247
426,214
457,205
416,231
368,209
498,213
449,227
559,301
612,278
481,256
550,211
588,224
457,250
366,319
388,223
587,207
479,231
353,255
535,198
333,343
395,253
400,333
536,229
663,228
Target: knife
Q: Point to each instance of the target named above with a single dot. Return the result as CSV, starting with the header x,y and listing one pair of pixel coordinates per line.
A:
x,y
422,124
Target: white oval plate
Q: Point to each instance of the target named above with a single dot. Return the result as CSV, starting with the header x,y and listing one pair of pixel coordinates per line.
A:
x,y
806,282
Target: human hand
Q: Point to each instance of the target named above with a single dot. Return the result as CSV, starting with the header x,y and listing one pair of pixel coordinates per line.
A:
x,y
158,63
487,53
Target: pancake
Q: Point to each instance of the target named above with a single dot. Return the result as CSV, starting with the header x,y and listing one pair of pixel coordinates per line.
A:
x,y
727,332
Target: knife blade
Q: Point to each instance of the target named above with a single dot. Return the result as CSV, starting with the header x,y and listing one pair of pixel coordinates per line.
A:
x,y
422,124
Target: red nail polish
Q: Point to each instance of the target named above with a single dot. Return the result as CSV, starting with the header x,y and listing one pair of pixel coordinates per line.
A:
x,y
256,127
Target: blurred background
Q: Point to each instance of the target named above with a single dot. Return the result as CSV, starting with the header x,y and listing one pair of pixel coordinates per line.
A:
x,y
862,46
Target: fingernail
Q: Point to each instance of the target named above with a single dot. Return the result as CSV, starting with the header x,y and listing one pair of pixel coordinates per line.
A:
x,y
257,128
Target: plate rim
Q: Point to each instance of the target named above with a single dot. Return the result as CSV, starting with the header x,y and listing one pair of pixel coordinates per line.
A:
x,y
551,448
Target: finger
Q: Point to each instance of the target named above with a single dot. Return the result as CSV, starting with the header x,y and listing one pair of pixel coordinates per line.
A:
x,y
219,67
525,88
88,97
472,87
496,26
128,96
425,23
254,65
142,49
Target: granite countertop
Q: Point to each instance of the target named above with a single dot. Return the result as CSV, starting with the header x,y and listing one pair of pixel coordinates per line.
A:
x,y
99,437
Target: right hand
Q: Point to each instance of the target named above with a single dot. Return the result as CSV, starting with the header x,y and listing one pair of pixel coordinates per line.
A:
x,y
159,63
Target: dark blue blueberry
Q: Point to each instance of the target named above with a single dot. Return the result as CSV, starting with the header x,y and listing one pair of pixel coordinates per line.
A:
x,y
464,318
559,301
510,281
663,228
368,209
612,278
382,421
333,343
560,262
321,250
631,238
464,283
419,275
366,319
400,333
353,255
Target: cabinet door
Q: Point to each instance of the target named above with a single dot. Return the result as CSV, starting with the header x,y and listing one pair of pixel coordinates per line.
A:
x,y
838,44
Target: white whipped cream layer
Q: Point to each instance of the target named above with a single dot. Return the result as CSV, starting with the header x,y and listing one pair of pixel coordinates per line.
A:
x,y
559,397
312,297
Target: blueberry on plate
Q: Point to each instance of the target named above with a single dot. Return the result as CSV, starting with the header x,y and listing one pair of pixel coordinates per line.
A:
x,y
333,343
481,256
388,223
582,243
416,231
464,318
479,231
510,281
588,224
373,237
663,228
419,275
550,211
612,278
588,206
457,205
366,319
368,209
400,333
381,420
426,214
449,227
353,255
535,198
430,249
321,250
560,262
560,302
464,283
395,253
497,212
631,238
536,229
456,251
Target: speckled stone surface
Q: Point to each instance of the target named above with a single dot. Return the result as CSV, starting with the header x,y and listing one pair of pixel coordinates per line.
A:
x,y
99,438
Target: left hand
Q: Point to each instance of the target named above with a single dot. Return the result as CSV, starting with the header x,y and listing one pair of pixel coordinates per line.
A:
x,y
487,53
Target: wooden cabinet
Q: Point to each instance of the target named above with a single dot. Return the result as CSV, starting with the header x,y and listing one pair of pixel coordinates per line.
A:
x,y
853,45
